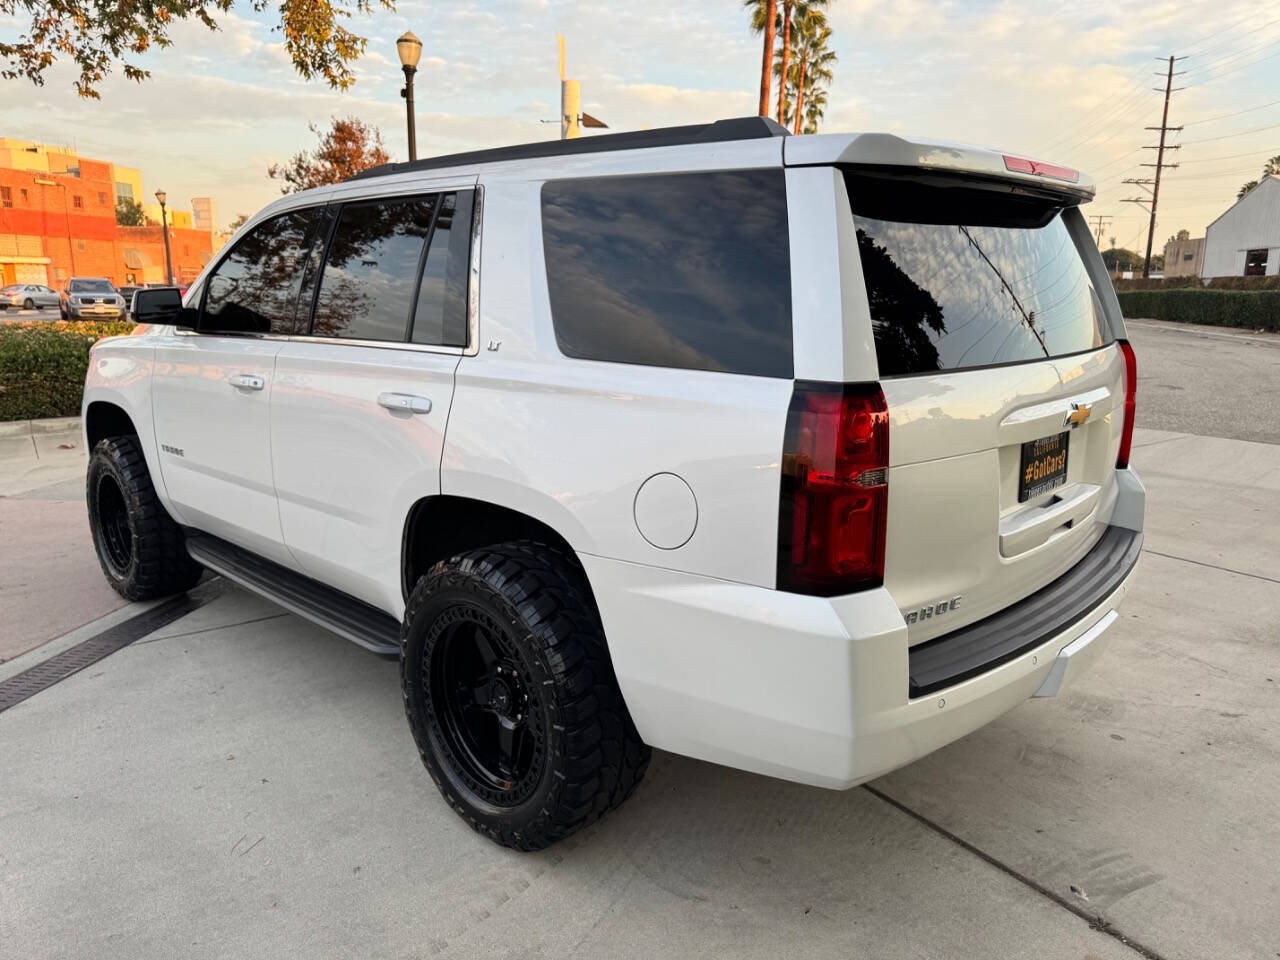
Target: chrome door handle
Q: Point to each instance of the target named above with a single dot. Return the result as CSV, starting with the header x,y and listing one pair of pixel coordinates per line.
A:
x,y
246,381
404,401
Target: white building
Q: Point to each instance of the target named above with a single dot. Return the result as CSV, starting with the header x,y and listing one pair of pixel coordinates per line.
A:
x,y
1245,241
205,213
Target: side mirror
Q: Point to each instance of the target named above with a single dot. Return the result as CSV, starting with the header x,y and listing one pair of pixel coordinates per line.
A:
x,y
161,305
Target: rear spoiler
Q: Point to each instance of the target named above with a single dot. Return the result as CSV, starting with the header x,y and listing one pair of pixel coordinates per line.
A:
x,y
887,150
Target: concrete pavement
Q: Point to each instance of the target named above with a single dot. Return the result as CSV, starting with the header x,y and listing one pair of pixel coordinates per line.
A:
x,y
241,784
50,581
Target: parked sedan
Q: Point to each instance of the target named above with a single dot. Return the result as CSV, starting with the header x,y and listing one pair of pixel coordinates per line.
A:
x,y
90,297
27,296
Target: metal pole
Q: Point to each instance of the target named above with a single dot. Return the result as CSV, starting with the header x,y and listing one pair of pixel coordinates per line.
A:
x,y
407,93
168,262
1155,189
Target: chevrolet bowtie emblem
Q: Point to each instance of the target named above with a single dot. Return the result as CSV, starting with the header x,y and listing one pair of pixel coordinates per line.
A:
x,y
1077,415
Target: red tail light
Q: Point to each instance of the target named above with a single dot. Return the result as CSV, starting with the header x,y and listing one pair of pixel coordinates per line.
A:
x,y
1130,401
835,492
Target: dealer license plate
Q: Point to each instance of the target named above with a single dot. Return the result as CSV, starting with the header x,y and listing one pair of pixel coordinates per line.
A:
x,y
1044,465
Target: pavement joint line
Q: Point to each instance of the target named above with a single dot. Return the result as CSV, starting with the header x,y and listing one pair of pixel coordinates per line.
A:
x,y
1214,566
46,673
1096,921
220,626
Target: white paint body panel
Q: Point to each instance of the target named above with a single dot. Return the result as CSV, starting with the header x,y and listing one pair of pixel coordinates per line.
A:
x,y
713,661
347,470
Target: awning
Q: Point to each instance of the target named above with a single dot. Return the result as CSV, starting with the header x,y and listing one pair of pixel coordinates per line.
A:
x,y
135,259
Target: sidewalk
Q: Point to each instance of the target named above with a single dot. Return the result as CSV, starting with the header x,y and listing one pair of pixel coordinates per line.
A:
x,y
50,581
38,452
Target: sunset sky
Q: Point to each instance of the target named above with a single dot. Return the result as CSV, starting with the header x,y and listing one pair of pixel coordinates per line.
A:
x,y
1067,82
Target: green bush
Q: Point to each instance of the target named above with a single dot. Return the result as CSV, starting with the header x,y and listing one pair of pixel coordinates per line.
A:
x,y
42,366
1254,309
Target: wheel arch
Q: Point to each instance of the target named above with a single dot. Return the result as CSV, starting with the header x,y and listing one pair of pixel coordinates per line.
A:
x,y
102,419
443,525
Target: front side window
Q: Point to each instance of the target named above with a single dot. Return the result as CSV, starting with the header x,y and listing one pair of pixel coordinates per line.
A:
x,y
370,272
958,278
687,270
1255,263
252,289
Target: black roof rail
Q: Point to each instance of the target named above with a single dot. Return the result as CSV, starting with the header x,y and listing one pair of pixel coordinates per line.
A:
x,y
737,128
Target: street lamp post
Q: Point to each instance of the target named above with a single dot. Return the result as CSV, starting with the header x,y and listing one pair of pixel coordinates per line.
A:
x,y
161,196
410,49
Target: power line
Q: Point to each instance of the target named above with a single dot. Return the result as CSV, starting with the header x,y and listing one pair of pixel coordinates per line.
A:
x,y
1224,116
1230,136
1230,156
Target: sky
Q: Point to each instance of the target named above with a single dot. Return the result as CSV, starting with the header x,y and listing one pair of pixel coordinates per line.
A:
x,y
1065,82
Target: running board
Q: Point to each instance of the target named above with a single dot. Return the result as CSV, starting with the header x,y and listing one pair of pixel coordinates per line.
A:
x,y
337,612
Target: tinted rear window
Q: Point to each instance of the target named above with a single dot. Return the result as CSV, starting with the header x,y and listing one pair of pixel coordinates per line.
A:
x,y
673,270
962,278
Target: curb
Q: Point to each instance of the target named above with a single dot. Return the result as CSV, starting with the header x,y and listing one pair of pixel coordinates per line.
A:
x,y
32,428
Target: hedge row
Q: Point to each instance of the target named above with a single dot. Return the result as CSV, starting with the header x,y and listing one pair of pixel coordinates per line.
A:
x,y
1213,283
42,366
1254,309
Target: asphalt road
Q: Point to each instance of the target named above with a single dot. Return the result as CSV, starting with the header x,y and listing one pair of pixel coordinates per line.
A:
x,y
1211,381
241,784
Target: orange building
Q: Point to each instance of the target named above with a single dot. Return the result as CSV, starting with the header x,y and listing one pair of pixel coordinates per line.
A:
x,y
142,253
59,225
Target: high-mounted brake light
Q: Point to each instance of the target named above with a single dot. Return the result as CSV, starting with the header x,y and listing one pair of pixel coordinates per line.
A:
x,y
1130,401
835,494
1038,169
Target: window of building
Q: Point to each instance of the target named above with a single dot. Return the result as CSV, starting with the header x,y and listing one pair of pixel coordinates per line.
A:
x,y
77,202
102,198
1255,263
124,191
253,288
22,192
79,244
6,197
440,317
370,272
679,270
1187,257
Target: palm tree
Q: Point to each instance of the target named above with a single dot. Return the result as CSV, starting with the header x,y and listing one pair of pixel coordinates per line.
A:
x,y
764,19
814,108
1245,189
811,71
795,12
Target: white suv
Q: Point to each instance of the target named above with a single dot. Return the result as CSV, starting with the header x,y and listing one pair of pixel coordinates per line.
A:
x,y
801,454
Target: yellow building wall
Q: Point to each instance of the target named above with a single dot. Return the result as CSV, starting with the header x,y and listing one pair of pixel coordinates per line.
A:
x,y
176,218
131,176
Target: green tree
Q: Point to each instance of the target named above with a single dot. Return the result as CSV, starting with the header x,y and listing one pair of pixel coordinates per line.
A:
x,y
811,71
349,146
129,213
240,220
1269,169
97,35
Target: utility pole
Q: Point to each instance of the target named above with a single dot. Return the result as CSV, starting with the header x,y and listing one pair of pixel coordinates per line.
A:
x,y
1159,165
1097,233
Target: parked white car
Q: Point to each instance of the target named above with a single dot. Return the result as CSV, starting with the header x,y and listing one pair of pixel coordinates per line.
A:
x,y
801,454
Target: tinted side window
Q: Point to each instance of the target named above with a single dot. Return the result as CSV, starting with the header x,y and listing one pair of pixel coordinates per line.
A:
x,y
253,288
371,270
676,270
440,316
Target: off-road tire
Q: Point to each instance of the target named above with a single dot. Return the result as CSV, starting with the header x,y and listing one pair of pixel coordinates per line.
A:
x,y
157,561
592,756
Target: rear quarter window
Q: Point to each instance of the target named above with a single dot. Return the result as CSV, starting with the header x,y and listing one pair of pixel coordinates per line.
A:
x,y
673,270
956,279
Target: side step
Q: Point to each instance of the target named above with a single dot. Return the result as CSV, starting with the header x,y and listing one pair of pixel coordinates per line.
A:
x,y
337,612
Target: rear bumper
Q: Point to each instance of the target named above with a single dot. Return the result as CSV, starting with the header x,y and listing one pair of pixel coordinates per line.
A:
x,y
812,689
